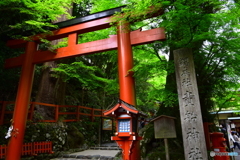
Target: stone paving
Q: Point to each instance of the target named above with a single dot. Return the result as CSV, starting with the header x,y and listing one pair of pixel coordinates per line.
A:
x,y
107,151
236,157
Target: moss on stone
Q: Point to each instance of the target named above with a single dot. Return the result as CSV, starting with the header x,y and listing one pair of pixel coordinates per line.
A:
x,y
75,138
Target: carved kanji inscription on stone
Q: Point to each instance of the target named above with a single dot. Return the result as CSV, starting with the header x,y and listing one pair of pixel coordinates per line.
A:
x,y
195,154
192,135
190,117
188,97
190,111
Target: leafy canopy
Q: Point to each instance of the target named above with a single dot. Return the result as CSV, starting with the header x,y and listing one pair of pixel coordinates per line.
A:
x,y
29,17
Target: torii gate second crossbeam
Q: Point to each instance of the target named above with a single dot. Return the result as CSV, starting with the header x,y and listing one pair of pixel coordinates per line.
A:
x,y
123,41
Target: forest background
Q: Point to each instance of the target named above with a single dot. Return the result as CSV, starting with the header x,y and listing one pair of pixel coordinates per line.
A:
x,y
210,28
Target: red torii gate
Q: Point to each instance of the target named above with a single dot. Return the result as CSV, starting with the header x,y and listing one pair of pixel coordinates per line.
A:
x,y
123,41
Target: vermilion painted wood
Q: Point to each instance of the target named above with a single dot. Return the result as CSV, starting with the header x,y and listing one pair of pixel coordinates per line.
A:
x,y
129,146
126,86
78,112
109,112
2,112
126,81
57,113
92,116
30,112
22,104
72,40
73,49
85,27
30,148
3,150
125,64
63,32
44,104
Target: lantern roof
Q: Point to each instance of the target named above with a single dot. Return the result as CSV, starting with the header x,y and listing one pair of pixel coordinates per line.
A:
x,y
124,105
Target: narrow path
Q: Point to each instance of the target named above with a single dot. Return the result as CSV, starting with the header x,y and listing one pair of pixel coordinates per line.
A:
x,y
106,151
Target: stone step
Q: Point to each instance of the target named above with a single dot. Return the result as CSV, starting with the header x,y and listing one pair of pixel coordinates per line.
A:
x,y
88,157
104,152
91,154
95,157
106,148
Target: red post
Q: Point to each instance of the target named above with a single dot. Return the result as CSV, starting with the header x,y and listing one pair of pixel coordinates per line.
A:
x,y
92,115
131,149
3,149
125,64
207,135
21,105
56,113
78,114
219,146
31,111
4,103
72,39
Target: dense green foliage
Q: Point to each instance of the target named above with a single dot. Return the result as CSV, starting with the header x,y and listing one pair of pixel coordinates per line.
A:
x,y
210,28
20,19
29,17
95,75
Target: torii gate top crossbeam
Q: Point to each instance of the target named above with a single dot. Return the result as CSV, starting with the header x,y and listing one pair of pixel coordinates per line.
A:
x,y
99,19
72,28
74,49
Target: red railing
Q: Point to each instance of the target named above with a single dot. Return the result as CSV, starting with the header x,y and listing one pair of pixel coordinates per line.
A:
x,y
7,107
3,151
32,149
42,147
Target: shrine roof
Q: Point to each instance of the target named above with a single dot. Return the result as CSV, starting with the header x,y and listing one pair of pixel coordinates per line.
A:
x,y
126,106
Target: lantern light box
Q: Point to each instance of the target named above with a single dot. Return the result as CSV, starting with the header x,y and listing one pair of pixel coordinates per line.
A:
x,y
126,117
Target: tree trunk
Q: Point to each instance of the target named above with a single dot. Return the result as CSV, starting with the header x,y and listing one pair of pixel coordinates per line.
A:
x,y
51,90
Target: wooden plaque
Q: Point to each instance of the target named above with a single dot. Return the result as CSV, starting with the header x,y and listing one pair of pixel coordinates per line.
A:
x,y
164,128
107,124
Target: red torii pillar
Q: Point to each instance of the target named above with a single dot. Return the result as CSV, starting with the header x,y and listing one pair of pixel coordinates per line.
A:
x,y
130,147
22,104
126,85
125,64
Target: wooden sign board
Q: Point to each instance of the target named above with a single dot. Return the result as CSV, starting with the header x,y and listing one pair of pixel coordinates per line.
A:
x,y
164,127
107,124
190,111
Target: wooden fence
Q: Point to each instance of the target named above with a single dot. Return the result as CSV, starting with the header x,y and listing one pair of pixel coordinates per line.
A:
x,y
32,149
75,112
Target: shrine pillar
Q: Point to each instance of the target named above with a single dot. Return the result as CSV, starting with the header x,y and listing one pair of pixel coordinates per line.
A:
x,y
127,85
125,64
22,104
